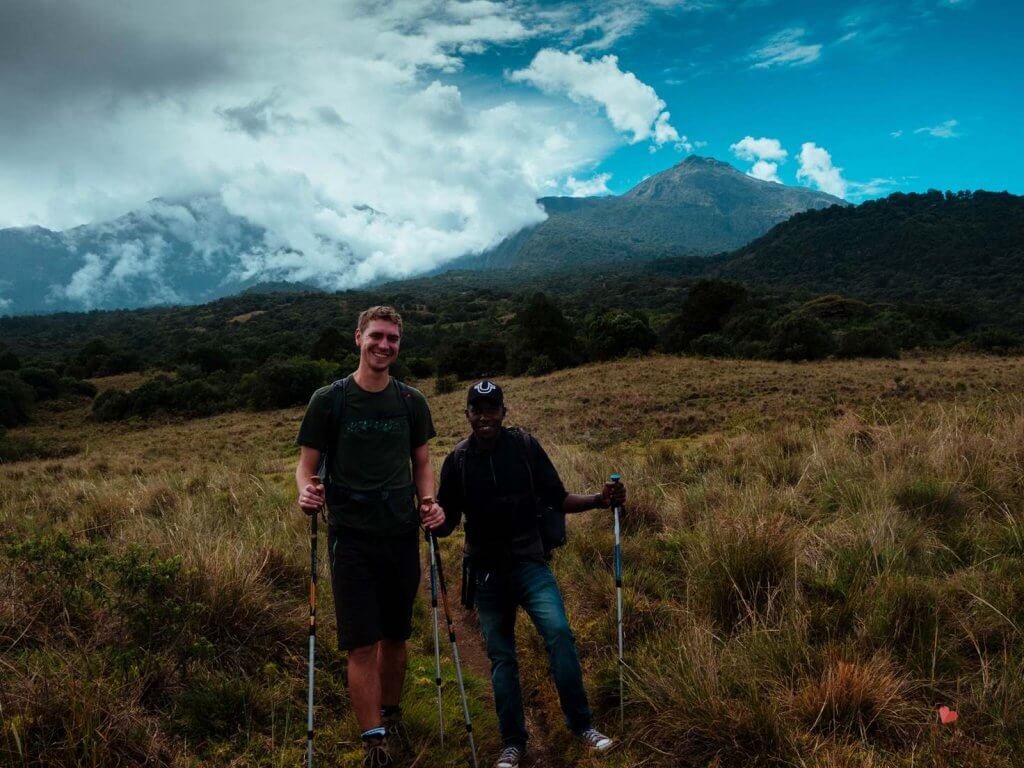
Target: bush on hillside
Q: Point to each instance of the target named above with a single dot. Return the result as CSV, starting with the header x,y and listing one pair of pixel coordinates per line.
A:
x,y
706,309
329,345
45,382
799,336
472,358
540,328
280,383
420,367
541,365
866,341
9,361
16,398
612,333
112,405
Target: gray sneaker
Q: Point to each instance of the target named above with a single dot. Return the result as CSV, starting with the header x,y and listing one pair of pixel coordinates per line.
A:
x,y
510,757
375,753
595,740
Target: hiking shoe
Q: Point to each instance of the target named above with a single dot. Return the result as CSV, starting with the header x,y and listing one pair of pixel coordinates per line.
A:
x,y
375,752
595,740
398,734
510,756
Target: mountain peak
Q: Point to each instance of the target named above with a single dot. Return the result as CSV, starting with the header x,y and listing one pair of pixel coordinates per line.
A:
x,y
707,182
697,161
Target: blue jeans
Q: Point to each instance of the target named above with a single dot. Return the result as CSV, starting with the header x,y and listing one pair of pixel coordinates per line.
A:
x,y
498,597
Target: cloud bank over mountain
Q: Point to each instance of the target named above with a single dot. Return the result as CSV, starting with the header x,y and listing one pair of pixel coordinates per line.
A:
x,y
342,132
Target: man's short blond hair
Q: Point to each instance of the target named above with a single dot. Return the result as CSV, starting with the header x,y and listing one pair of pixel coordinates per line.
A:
x,y
380,312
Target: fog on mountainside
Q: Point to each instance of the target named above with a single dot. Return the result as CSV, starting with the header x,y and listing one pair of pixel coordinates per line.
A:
x,y
193,251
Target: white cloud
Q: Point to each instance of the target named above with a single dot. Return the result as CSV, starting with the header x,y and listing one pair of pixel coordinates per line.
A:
x,y
946,130
787,49
632,106
597,185
872,188
334,131
765,171
896,134
766,154
749,148
816,168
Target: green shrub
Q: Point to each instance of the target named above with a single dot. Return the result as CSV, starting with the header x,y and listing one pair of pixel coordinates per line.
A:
x,y
613,333
706,309
112,405
711,345
16,398
45,382
420,367
72,386
9,361
866,341
472,358
799,336
280,383
541,365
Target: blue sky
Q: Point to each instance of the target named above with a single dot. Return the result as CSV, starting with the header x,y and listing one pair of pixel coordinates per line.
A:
x,y
871,70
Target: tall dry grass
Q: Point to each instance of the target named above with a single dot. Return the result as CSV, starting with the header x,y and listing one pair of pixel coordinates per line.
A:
x,y
817,557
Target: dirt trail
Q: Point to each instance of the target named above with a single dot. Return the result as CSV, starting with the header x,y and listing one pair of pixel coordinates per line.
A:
x,y
474,657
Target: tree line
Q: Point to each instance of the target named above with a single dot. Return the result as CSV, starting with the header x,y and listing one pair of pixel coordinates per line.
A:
x,y
273,351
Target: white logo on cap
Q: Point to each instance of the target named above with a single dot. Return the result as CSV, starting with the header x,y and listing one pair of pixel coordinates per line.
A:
x,y
485,387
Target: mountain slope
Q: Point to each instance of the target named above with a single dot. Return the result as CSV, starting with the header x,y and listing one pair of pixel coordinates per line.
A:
x,y
165,252
964,250
699,207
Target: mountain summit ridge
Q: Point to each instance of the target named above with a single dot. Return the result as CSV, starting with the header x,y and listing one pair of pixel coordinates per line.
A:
x,y
698,207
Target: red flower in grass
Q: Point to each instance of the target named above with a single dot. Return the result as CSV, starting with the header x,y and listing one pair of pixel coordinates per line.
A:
x,y
947,715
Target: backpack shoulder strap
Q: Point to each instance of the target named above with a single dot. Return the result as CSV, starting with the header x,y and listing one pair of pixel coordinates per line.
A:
x,y
405,395
337,413
525,445
460,451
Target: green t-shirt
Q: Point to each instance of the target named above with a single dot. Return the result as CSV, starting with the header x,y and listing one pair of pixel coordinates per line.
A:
x,y
374,441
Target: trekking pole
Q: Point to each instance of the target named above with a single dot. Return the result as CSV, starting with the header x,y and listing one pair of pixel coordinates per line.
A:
x,y
617,510
451,637
437,641
313,520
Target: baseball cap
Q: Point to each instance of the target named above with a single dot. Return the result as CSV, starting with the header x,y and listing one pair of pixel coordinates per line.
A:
x,y
485,390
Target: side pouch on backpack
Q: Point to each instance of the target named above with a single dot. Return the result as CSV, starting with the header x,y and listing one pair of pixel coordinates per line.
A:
x,y
551,523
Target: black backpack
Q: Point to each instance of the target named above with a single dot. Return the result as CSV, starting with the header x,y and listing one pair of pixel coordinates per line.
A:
x,y
338,411
550,521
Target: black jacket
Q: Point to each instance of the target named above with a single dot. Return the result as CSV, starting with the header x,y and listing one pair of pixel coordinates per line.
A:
x,y
493,490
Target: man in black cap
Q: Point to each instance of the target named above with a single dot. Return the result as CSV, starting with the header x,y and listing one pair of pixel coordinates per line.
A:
x,y
500,479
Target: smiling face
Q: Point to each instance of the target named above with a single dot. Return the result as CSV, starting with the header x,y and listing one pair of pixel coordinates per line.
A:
x,y
378,344
485,417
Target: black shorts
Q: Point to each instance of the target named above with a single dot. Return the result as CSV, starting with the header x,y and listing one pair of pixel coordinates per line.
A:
x,y
374,580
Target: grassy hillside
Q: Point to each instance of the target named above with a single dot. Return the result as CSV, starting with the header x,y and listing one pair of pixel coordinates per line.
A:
x,y
817,557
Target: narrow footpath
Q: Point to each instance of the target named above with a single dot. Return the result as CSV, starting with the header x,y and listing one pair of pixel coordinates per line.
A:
x,y
474,659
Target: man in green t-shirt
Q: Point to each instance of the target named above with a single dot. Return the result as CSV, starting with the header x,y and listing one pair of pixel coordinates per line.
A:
x,y
379,465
